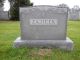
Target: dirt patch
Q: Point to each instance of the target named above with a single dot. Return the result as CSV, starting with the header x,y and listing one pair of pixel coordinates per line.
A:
x,y
42,52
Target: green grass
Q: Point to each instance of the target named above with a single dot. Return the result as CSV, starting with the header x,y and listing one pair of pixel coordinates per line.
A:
x,y
10,30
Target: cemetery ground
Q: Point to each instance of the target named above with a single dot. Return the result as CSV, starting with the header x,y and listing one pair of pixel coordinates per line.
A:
x,y
10,30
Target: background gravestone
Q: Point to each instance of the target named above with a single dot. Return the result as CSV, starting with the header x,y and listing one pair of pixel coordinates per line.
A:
x,y
43,26
3,14
74,14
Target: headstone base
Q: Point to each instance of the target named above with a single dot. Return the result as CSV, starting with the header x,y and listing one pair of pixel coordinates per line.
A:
x,y
62,44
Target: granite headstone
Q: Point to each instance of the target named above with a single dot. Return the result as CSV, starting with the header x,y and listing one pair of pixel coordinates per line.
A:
x,y
44,26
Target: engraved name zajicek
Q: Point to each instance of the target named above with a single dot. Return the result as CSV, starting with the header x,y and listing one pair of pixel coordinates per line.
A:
x,y
43,21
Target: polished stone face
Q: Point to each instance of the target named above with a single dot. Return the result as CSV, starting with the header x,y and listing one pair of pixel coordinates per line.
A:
x,y
43,23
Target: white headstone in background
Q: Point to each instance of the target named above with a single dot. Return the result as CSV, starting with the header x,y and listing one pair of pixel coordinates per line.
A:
x,y
3,14
74,14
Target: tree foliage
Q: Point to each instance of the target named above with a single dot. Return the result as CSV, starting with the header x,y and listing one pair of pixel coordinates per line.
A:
x,y
1,2
15,4
25,3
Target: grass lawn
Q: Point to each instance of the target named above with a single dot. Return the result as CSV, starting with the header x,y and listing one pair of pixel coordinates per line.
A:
x,y
10,30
